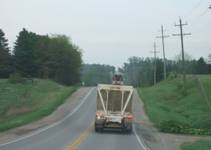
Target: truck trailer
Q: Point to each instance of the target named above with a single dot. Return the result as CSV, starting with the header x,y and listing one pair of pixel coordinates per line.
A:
x,y
114,107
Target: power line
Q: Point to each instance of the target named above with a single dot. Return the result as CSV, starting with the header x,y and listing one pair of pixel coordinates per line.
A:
x,y
194,19
205,12
198,19
180,25
164,55
155,62
194,8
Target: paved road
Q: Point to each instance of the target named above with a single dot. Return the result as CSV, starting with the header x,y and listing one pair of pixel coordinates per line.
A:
x,y
75,131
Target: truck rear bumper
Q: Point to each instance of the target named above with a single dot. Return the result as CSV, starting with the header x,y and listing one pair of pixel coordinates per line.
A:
x,y
124,125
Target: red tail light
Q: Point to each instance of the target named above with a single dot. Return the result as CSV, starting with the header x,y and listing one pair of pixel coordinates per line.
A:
x,y
130,117
99,115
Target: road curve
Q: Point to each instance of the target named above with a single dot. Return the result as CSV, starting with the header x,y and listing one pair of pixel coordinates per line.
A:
x,y
75,131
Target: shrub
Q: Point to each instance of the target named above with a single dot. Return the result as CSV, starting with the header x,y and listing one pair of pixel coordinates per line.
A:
x,y
172,126
16,78
172,75
177,127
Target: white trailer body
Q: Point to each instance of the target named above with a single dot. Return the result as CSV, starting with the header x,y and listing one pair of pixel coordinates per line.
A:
x,y
114,107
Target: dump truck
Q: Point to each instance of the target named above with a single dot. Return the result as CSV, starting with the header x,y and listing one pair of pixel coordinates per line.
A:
x,y
114,107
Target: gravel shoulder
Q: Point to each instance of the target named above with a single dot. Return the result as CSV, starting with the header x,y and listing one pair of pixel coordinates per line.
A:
x,y
57,115
154,139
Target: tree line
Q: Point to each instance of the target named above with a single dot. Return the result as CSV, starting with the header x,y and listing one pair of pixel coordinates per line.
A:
x,y
41,56
93,74
140,71
57,58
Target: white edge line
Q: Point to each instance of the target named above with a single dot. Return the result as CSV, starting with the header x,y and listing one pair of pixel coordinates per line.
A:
x,y
138,139
52,125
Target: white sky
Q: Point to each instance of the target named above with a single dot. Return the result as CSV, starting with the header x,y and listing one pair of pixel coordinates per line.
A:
x,y
110,31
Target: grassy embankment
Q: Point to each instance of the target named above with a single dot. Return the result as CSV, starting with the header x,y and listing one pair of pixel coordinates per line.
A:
x,y
23,103
172,111
199,145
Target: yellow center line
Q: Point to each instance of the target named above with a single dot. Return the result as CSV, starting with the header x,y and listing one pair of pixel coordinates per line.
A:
x,y
80,139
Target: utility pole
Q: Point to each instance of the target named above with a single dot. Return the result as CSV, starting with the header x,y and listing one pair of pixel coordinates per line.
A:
x,y
182,46
155,62
164,55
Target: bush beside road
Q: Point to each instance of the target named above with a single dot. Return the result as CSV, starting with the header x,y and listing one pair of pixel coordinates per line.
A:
x,y
22,103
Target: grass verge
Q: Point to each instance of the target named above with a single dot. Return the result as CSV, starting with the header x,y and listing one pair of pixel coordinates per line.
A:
x,y
26,102
173,111
199,145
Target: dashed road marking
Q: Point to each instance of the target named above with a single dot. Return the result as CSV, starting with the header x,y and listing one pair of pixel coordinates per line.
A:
x,y
75,144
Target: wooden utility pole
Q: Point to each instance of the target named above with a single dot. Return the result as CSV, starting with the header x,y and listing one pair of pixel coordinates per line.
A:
x,y
164,55
180,25
155,62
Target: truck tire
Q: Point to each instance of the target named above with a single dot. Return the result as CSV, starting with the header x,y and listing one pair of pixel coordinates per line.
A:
x,y
127,128
98,129
99,124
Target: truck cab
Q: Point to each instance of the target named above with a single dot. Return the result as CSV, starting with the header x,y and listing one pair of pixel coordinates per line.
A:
x,y
117,79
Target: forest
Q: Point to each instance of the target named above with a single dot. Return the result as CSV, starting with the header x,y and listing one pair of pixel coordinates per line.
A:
x,y
40,56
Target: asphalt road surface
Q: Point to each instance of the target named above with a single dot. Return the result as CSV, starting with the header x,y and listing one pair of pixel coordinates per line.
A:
x,y
75,131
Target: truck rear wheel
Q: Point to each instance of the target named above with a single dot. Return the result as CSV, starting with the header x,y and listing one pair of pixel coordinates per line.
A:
x,y
98,128
127,128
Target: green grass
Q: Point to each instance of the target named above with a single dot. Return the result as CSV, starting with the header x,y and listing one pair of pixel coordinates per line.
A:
x,y
199,145
172,111
23,103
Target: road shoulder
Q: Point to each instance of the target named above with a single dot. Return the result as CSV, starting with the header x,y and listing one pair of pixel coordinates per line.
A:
x,y
57,115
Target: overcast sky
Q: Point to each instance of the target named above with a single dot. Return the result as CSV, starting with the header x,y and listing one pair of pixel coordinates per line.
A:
x,y
110,31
